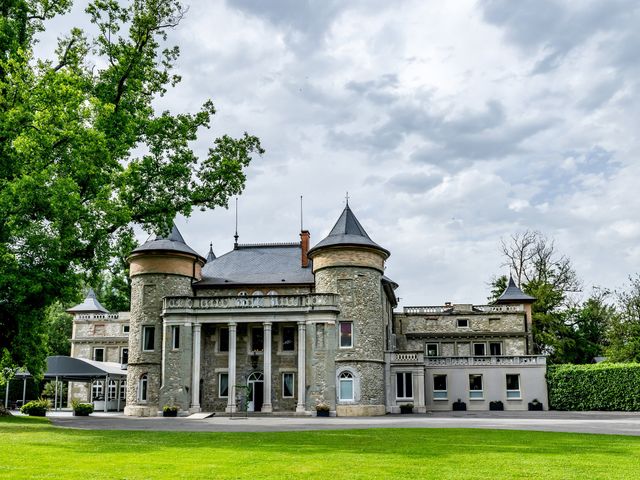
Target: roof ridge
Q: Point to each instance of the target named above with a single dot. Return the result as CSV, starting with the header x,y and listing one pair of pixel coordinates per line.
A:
x,y
270,244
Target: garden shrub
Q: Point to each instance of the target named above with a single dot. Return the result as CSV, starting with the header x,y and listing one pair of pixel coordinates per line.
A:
x,y
36,408
81,409
603,386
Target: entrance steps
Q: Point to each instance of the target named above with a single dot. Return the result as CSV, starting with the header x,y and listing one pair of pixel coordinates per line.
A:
x,y
201,415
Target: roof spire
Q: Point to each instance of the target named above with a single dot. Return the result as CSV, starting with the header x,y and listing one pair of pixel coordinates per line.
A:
x,y
347,198
211,256
235,243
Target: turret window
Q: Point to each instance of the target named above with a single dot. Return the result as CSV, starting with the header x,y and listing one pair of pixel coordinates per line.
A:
x,y
346,334
142,391
148,338
346,386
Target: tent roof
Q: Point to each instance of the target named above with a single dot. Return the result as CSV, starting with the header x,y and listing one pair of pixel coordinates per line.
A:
x,y
82,369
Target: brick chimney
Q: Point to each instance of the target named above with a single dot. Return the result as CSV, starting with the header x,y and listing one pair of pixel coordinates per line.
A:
x,y
304,244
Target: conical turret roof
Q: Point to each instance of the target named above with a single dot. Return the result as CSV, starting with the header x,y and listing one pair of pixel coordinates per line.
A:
x,y
348,232
211,256
173,243
89,304
513,294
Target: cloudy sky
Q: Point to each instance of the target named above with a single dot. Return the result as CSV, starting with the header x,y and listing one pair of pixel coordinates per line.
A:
x,y
450,124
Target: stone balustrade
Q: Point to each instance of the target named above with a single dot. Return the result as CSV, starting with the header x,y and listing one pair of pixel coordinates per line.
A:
x,y
486,360
407,357
99,316
309,301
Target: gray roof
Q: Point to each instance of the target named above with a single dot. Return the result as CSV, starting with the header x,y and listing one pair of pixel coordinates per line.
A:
x,y
513,294
81,368
173,243
258,265
211,256
89,304
348,231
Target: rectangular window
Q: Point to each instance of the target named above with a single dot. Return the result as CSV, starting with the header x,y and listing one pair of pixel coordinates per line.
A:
x,y
440,387
125,328
404,385
287,385
223,340
111,391
495,348
124,355
475,387
513,386
288,339
175,337
97,391
257,339
98,354
148,338
223,385
479,349
463,323
432,349
346,334
123,390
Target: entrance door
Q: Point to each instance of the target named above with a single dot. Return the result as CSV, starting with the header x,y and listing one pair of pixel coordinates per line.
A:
x,y
255,382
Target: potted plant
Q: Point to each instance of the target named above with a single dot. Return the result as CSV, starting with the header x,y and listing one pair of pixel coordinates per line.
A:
x,y
406,408
322,410
170,411
81,409
36,408
459,406
497,405
535,405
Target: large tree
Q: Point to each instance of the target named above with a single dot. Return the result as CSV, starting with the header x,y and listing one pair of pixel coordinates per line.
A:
x,y
624,330
84,154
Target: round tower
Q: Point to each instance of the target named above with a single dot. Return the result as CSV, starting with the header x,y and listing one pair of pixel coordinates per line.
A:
x,y
159,268
349,263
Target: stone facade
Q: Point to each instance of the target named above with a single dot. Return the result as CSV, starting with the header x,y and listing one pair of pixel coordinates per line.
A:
x,y
278,328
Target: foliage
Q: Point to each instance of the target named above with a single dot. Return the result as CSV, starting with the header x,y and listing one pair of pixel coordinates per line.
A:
x,y
50,389
36,408
80,408
322,407
84,155
602,386
624,329
59,328
371,454
170,408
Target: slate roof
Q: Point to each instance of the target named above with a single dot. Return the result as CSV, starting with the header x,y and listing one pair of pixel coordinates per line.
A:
x,y
211,256
259,264
348,231
173,243
89,304
513,294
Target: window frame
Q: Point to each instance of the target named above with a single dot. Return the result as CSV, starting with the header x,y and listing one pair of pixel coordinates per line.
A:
x,y
508,390
293,384
145,329
175,337
143,388
252,349
466,320
125,329
93,354
479,393
340,336
220,393
426,349
348,377
407,381
220,336
445,391
479,344
282,339
97,389
122,350
499,348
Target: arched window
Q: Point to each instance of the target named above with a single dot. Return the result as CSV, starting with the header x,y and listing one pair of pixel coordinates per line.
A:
x,y
346,386
257,293
142,391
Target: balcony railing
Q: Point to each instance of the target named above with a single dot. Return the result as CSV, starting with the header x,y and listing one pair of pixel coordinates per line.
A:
x,y
485,361
98,316
438,309
309,301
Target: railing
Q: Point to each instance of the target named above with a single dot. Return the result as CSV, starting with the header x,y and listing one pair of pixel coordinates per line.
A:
x,y
259,301
430,309
98,316
408,357
482,361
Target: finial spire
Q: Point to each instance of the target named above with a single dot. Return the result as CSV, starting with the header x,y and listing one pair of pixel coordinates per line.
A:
x,y
235,243
347,198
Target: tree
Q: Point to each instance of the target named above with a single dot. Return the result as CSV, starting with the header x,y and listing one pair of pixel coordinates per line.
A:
x,y
84,155
545,274
624,329
59,326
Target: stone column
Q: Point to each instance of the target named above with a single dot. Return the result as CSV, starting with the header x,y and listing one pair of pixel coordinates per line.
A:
x,y
300,408
231,402
195,372
266,404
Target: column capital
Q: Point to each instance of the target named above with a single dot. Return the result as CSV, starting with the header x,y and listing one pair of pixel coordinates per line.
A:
x,y
267,323
232,324
302,323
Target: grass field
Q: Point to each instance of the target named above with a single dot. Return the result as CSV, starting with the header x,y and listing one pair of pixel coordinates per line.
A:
x,y
32,448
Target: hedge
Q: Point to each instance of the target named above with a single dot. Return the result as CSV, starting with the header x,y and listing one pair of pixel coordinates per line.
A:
x,y
603,386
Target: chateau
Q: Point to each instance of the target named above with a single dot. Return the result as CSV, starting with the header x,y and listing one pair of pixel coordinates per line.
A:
x,y
284,327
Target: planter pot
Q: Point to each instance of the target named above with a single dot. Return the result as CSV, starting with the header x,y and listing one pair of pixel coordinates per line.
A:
x,y
535,407
170,413
38,414
80,414
496,405
406,410
459,406
322,414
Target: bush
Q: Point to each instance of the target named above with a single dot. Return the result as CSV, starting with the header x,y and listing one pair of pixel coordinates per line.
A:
x,y
81,409
603,386
36,408
169,411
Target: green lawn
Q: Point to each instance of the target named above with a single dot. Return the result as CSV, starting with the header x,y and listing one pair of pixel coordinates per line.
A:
x,y
32,448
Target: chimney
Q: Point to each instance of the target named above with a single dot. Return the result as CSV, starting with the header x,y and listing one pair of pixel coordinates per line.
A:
x,y
304,244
